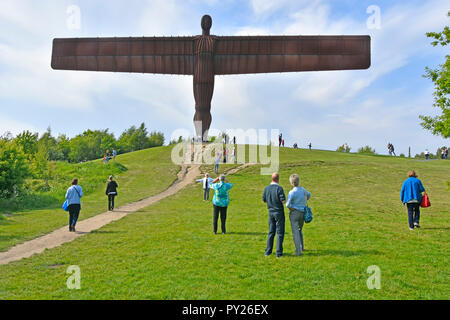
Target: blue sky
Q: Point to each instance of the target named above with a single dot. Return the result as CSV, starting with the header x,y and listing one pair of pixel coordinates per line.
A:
x,y
364,107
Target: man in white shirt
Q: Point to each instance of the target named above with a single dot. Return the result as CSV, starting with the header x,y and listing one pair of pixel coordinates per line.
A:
x,y
206,181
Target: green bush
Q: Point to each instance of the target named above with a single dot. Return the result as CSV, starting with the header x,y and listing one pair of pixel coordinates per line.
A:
x,y
366,150
13,168
342,148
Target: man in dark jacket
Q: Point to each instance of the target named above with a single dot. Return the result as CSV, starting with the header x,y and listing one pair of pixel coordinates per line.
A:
x,y
275,198
111,192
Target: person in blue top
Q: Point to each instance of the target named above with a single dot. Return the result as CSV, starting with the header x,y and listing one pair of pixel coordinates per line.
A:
x,y
296,203
221,199
73,197
411,194
206,181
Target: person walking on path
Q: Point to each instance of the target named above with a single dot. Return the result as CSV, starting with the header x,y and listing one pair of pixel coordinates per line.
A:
x,y
73,197
275,198
216,164
221,200
114,154
296,203
411,195
206,181
111,192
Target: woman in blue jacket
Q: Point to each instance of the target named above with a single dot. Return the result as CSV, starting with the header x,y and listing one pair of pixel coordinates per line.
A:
x,y
73,197
411,194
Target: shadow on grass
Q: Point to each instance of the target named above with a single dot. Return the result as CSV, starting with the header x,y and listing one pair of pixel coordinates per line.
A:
x,y
435,228
105,232
249,233
344,253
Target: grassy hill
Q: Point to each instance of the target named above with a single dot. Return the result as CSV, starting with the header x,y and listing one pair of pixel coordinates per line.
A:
x,y
168,251
139,174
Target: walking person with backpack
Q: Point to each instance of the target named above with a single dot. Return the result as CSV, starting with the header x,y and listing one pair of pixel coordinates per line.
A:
x,y
73,198
111,192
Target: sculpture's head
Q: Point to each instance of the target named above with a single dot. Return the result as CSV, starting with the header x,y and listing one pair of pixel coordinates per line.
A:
x,y
206,24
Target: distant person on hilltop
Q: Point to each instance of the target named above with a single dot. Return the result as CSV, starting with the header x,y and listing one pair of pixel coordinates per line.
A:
x,y
111,192
392,150
114,154
346,148
73,197
427,154
275,199
295,145
411,195
296,203
282,142
206,181
310,146
221,200
280,137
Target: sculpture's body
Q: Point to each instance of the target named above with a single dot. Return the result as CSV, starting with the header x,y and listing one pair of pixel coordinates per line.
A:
x,y
206,56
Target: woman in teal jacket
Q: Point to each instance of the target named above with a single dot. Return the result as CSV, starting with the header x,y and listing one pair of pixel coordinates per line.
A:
x,y
411,194
220,201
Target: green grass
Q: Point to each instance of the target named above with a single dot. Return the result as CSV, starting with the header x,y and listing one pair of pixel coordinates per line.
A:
x,y
139,175
41,194
168,251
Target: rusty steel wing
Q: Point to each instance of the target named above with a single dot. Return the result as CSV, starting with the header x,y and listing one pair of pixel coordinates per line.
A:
x,y
264,54
166,55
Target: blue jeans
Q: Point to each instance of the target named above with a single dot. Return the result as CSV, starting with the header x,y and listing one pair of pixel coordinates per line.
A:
x,y
413,213
205,194
216,168
276,225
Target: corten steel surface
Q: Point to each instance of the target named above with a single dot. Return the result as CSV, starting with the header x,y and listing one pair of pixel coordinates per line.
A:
x,y
205,56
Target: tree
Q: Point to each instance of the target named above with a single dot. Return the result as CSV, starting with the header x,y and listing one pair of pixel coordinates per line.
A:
x,y
29,143
13,168
439,125
366,150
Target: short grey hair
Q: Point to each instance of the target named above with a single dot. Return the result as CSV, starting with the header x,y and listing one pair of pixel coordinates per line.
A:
x,y
222,177
294,179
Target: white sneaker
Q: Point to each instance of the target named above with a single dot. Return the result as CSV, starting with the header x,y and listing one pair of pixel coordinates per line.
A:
x,y
416,225
412,229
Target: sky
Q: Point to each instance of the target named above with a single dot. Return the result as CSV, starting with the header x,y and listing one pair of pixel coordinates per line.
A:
x,y
361,107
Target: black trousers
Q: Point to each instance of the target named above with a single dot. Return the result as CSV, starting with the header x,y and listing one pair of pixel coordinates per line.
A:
x,y
74,212
111,201
223,217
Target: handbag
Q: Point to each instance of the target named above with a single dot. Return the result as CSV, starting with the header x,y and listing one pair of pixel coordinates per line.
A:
x,y
425,201
65,205
308,214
